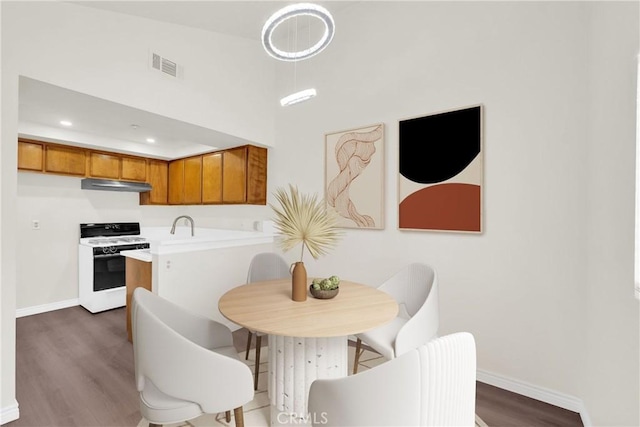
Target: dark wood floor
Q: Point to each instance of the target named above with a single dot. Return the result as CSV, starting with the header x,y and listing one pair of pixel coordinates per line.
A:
x,y
75,368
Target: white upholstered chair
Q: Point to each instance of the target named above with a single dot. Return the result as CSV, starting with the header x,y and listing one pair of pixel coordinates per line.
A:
x,y
431,385
185,364
264,266
415,288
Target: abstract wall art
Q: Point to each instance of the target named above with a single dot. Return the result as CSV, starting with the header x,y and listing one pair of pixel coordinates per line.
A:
x,y
440,171
354,176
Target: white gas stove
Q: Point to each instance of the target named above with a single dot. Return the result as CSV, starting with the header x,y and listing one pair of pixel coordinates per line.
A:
x,y
98,242
101,268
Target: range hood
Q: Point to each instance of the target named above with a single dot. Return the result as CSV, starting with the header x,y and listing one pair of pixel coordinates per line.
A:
x,y
111,185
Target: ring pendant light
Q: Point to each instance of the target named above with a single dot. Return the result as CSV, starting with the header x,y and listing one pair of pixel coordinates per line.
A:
x,y
292,11
294,98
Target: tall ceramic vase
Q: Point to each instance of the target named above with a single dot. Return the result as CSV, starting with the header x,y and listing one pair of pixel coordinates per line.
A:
x,y
298,281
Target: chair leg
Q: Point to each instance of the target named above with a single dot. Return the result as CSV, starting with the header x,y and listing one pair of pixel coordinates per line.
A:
x,y
246,356
239,416
227,416
256,368
356,359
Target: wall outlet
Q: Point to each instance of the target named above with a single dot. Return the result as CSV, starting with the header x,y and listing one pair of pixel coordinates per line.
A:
x,y
35,224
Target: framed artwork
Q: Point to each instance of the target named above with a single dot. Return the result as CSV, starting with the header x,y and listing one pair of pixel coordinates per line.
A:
x,y
354,176
440,171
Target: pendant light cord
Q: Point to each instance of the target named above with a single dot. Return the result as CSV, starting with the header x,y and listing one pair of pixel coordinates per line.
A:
x,y
295,63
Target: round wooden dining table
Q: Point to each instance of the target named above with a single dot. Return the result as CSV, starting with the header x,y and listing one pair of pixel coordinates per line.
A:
x,y
307,340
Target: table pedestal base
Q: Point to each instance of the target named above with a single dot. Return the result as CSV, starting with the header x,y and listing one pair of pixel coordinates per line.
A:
x,y
294,363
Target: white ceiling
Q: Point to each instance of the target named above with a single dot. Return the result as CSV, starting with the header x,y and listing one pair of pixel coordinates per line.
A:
x,y
109,125
42,105
237,18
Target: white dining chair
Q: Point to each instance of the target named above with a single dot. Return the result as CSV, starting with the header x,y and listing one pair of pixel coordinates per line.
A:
x,y
264,266
415,288
431,385
185,364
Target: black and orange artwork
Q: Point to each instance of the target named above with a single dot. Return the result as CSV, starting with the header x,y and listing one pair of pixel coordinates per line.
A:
x,y
440,171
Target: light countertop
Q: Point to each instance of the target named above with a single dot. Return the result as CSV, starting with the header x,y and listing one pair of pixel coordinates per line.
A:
x,y
139,254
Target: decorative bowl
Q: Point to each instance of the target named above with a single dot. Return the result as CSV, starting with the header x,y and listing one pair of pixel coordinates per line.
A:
x,y
323,294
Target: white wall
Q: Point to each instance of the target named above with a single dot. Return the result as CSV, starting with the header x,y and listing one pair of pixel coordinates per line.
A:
x,y
47,259
523,287
433,57
234,98
8,130
612,371
227,86
543,289
227,83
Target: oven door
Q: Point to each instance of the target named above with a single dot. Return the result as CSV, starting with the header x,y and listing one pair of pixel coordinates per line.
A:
x,y
108,271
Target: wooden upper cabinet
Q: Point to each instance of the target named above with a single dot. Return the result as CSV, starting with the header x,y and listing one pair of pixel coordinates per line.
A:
x,y
30,156
65,160
212,178
102,165
234,175
115,166
244,175
193,180
185,181
256,175
176,182
134,169
158,177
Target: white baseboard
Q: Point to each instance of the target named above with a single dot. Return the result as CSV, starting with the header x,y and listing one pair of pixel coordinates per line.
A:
x,y
37,309
9,413
552,397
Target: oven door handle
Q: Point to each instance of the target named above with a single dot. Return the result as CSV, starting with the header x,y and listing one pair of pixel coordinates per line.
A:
x,y
103,256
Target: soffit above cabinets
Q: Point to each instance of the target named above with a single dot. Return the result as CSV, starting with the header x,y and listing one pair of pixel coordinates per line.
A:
x,y
102,124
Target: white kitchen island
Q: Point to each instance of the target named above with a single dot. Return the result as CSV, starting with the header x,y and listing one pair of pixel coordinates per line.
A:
x,y
195,272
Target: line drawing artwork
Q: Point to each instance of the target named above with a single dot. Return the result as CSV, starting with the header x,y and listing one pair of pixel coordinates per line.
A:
x,y
354,151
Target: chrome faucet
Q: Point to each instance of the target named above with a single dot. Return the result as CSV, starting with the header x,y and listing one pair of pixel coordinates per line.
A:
x,y
175,221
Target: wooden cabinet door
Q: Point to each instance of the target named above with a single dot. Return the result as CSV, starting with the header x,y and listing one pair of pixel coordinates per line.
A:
x,y
256,175
103,165
30,156
134,169
234,178
176,182
65,160
212,178
158,172
193,180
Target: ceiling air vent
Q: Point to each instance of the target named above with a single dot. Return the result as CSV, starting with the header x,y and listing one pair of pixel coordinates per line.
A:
x,y
163,64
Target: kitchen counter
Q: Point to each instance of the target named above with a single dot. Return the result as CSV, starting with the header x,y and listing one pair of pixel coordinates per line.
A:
x,y
195,271
163,243
139,254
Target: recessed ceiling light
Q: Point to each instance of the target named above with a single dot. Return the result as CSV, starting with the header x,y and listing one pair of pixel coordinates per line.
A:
x,y
65,123
151,140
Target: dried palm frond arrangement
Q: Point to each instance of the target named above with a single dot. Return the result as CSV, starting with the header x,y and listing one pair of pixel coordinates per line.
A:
x,y
301,218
